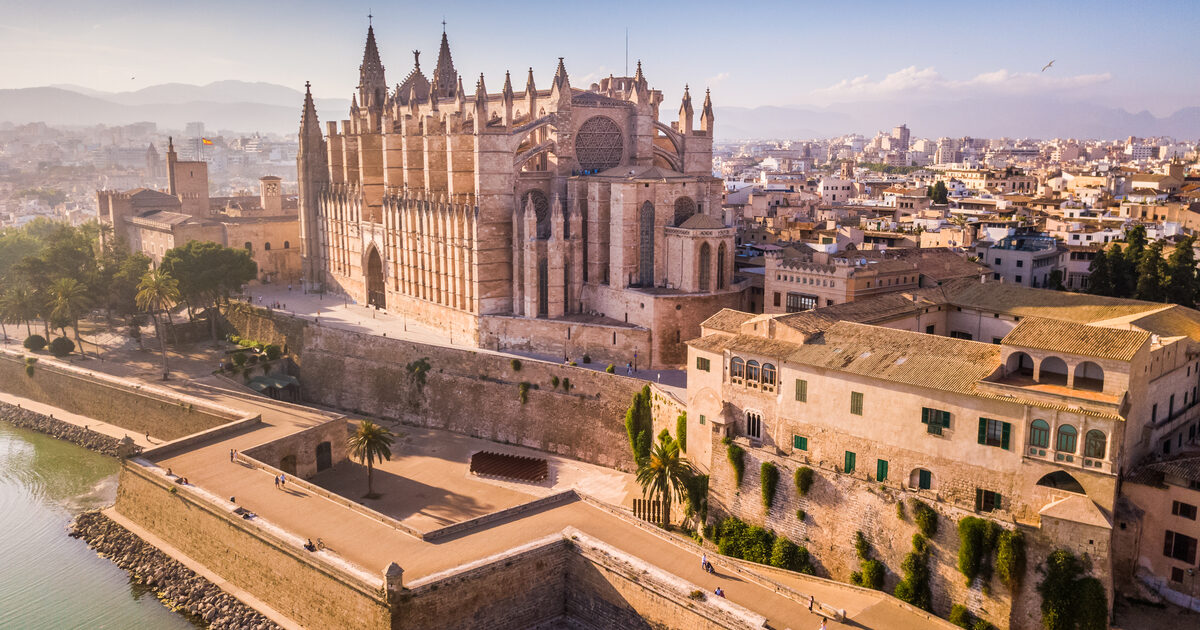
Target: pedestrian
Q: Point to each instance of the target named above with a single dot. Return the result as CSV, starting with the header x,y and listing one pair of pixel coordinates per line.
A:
x,y
289,288
277,487
704,561
283,481
824,624
230,454
719,592
629,368
810,603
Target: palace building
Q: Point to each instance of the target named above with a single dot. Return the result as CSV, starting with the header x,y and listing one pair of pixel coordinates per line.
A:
x,y
558,220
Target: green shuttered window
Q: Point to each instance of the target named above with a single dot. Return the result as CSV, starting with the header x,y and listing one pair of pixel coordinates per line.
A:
x,y
850,457
994,432
924,479
935,420
801,390
799,443
856,403
881,469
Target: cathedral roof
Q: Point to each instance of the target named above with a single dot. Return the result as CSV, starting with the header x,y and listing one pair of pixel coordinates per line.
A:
x,y
414,81
642,172
700,221
596,99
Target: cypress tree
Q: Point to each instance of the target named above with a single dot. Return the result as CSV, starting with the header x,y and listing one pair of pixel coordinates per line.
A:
x,y
1181,274
1124,274
1100,282
1150,273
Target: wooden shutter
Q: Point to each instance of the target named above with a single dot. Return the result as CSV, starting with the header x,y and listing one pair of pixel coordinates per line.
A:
x,y
925,415
1006,430
978,499
924,479
983,430
801,390
945,419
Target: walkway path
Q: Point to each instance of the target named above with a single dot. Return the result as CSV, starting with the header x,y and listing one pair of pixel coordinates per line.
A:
x,y
90,424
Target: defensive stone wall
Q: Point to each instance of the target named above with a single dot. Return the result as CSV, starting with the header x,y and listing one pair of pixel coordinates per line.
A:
x,y
602,344
476,393
107,399
313,594
839,505
298,454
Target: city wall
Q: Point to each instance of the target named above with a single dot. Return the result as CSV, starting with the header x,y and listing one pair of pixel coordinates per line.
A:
x,y
297,454
603,344
476,393
107,399
299,587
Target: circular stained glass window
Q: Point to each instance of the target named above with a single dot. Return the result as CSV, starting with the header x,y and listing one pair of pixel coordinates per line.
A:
x,y
598,144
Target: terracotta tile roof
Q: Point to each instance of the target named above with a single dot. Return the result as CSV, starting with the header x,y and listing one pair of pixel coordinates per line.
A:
x,y
727,320
1152,471
1173,321
1078,509
1003,297
703,222
1075,338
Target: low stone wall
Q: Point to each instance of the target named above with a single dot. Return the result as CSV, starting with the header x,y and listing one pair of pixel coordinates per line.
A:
x,y
512,512
306,589
98,442
140,409
177,586
603,344
470,392
296,454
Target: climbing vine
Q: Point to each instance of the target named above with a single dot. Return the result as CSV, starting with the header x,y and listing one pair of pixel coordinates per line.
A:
x,y
770,478
914,587
737,459
804,479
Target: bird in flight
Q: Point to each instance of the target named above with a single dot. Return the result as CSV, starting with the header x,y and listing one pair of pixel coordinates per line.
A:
x,y
1047,66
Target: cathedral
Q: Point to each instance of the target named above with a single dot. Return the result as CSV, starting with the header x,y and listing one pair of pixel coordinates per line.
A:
x,y
555,220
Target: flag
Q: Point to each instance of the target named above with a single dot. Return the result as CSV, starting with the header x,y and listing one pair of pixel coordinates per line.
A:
x,y
206,141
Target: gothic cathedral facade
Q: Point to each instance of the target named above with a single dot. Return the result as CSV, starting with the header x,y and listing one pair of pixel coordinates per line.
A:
x,y
558,221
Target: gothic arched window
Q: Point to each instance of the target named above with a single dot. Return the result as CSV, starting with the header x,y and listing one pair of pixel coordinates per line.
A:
x,y
705,264
646,234
599,144
541,208
684,209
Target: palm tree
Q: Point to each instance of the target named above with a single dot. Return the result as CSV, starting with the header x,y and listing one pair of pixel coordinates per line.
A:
x,y
666,473
68,301
370,443
158,291
18,305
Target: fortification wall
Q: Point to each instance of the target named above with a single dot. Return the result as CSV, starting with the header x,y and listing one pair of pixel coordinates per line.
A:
x,y
299,587
296,454
839,505
471,392
603,344
106,399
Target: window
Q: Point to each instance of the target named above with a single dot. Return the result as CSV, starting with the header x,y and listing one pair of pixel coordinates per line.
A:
x,y
702,364
777,298
768,374
931,329
1018,279
1180,547
752,371
1185,510
797,302
799,443
801,390
287,245
958,334
935,420
1094,445
702,419
249,247
737,368
881,467
998,261
1177,574
994,432
856,403
849,468
986,500
1153,413
267,246
754,425
1039,434
924,479
1066,439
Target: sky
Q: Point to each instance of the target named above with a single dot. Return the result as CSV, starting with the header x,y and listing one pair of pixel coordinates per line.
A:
x,y
1139,55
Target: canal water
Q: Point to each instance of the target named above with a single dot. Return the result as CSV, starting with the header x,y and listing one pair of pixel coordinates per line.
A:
x,y
49,580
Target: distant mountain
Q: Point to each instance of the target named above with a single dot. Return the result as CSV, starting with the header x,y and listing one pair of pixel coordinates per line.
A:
x,y
987,118
235,105
245,106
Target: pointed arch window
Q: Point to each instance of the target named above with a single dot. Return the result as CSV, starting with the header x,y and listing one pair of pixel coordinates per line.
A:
x,y
646,245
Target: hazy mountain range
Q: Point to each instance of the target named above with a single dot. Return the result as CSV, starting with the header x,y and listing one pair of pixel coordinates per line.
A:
x,y
266,107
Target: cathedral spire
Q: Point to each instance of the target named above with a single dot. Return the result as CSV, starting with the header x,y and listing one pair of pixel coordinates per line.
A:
x,y
444,74
560,75
308,117
530,88
706,114
507,91
560,91
686,112
372,86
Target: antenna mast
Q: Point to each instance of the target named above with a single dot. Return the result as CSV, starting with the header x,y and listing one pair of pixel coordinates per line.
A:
x,y
626,51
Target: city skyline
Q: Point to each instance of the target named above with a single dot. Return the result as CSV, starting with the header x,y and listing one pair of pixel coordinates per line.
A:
x,y
945,52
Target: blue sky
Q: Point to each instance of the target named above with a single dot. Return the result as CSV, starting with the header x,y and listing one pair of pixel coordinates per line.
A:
x,y
1137,55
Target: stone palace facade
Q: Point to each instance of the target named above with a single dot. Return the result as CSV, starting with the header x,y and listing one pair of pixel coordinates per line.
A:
x,y
555,220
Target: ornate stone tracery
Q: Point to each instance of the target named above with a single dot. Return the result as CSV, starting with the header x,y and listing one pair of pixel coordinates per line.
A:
x,y
599,144
541,208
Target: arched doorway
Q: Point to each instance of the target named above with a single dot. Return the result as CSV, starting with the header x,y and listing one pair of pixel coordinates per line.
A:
x,y
324,456
375,292
646,234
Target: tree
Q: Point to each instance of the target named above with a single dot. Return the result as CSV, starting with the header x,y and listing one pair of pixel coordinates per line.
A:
x,y
1070,599
369,444
1100,278
665,472
1151,272
68,302
1181,274
639,423
158,291
209,272
1123,273
939,194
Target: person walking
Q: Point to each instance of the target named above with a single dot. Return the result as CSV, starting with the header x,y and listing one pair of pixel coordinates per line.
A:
x,y
231,451
811,601
824,624
283,481
704,561
277,487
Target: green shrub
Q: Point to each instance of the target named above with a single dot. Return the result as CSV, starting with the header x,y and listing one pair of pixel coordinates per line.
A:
x,y
697,496
1010,558
804,479
639,423
971,540
234,338
251,359
417,370
737,459
61,347
982,624
29,363
800,514
1092,605
516,365
1070,599
554,382
770,478
925,517
681,431
900,511
861,546
749,542
35,342
960,616
566,383
587,359
870,575
239,358
914,586
786,554
523,392
610,369
272,351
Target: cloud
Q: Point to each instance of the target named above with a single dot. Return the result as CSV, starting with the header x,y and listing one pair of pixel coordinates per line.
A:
x,y
716,79
914,82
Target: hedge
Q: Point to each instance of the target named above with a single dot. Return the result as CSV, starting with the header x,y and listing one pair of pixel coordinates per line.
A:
x,y
737,459
770,479
61,347
804,479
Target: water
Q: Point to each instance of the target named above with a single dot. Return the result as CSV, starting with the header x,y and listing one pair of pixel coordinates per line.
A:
x,y
49,580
